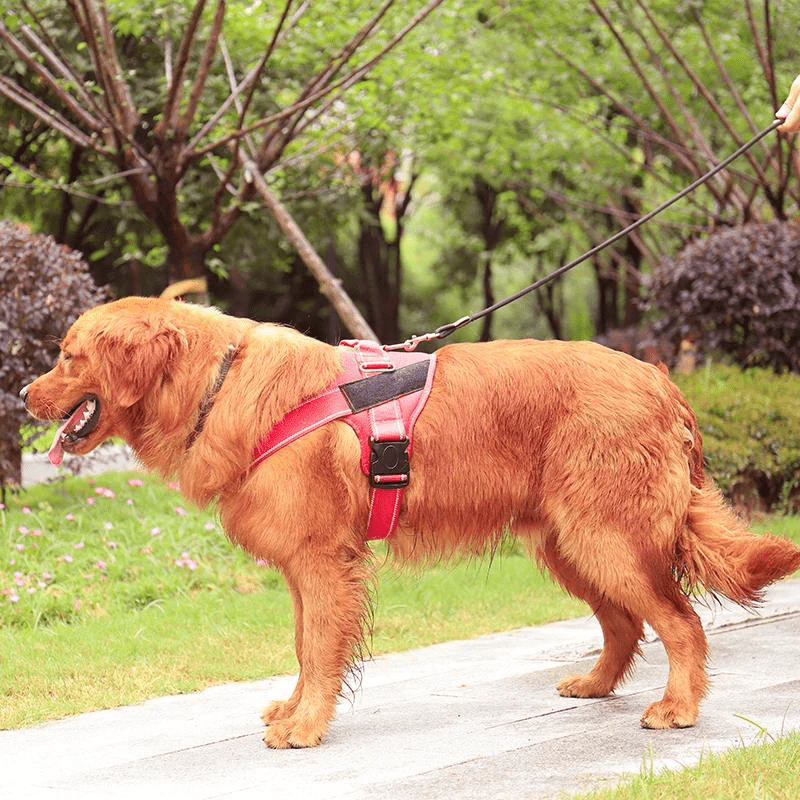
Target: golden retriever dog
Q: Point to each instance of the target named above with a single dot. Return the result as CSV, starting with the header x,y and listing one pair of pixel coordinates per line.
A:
x,y
592,458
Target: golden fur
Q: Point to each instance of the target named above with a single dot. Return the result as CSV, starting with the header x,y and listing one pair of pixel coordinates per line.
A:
x,y
590,457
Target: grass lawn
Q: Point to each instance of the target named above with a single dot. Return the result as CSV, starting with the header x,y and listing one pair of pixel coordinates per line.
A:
x,y
762,772
113,590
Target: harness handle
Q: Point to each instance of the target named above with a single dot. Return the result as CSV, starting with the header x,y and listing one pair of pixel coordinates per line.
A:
x,y
445,330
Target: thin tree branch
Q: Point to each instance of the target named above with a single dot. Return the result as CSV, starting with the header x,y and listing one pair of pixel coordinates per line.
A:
x,y
763,57
74,189
248,83
731,191
47,77
329,285
299,107
702,89
170,109
98,35
233,163
47,115
679,152
168,76
666,115
202,73
49,50
44,44
259,70
731,86
319,81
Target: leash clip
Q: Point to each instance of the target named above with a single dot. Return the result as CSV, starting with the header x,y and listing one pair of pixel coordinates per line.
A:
x,y
445,330
409,345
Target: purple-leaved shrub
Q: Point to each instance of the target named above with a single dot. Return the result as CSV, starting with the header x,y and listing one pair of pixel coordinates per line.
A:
x,y
44,287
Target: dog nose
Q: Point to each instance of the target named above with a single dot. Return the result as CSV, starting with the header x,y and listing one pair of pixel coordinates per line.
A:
x,y
23,393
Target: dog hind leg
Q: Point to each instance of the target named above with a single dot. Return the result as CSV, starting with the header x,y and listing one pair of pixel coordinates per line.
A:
x,y
681,632
622,631
621,635
671,615
635,587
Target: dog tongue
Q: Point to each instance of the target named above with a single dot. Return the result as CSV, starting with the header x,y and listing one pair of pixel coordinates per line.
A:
x,y
56,453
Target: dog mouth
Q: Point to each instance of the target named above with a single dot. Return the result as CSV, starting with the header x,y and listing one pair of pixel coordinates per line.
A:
x,y
78,424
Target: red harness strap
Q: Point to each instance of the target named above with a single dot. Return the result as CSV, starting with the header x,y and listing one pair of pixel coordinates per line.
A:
x,y
380,395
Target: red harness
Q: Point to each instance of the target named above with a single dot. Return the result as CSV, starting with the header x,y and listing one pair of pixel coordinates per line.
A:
x,y
380,395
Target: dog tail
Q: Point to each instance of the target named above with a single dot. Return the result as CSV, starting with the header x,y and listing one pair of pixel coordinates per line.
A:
x,y
718,552
715,549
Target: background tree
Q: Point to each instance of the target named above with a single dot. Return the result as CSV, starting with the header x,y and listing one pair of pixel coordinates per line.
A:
x,y
577,117
623,104
705,80
206,111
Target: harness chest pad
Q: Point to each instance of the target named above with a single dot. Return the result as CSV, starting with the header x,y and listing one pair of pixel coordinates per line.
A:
x,y
380,395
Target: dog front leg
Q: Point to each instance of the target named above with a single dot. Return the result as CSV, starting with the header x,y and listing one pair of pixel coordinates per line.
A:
x,y
334,601
281,709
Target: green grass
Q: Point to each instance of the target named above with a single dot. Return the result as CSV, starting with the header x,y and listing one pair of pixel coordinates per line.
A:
x,y
761,772
115,590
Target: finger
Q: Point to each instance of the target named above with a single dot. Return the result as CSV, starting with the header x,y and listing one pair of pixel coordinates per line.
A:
x,y
791,100
791,121
790,110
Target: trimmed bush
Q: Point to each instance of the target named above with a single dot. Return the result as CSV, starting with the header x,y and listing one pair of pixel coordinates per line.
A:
x,y
44,287
736,292
750,421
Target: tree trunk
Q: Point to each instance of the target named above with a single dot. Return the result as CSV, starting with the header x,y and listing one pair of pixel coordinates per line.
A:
x,y
186,258
379,263
607,307
491,232
632,310
488,299
547,300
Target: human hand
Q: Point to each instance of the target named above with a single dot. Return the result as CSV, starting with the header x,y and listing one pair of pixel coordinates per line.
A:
x,y
789,112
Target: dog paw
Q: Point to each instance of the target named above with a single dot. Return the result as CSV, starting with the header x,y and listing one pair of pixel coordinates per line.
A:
x,y
285,733
667,714
280,709
581,686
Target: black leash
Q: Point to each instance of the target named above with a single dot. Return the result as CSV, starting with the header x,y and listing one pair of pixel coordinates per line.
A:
x,y
445,330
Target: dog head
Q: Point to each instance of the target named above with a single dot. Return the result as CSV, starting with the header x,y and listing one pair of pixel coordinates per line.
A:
x,y
111,357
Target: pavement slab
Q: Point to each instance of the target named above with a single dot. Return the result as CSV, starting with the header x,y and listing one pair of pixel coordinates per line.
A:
x,y
464,719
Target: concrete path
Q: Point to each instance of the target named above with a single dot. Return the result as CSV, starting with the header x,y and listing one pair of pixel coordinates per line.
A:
x,y
470,719
36,468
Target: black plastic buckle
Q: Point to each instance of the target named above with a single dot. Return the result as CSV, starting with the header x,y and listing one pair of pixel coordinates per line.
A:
x,y
388,464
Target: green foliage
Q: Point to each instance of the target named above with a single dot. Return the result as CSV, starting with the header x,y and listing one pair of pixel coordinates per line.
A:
x,y
749,422
483,89
580,166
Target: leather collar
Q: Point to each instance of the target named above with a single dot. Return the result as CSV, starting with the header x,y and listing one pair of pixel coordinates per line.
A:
x,y
207,403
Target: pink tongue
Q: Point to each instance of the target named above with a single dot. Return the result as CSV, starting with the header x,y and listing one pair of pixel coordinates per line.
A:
x,y
56,454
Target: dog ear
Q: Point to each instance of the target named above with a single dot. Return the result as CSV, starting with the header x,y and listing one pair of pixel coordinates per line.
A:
x,y
136,353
